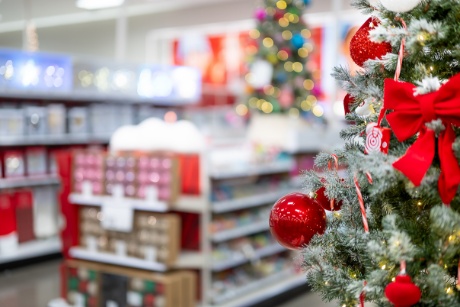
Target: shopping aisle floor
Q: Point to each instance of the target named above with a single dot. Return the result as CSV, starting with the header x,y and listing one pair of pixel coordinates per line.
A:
x,y
35,286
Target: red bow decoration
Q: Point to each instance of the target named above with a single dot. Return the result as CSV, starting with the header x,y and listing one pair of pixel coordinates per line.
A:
x,y
409,116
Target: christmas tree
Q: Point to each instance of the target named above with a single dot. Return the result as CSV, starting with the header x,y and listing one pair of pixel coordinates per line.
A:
x,y
278,80
396,238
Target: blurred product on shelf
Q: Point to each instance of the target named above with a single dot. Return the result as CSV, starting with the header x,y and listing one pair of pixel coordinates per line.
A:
x,y
58,121
8,227
231,284
13,164
36,121
56,115
243,187
88,173
78,121
154,236
27,215
36,161
153,177
24,215
237,219
93,284
53,75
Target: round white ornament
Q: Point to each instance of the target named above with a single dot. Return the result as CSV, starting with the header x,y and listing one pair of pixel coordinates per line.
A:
x,y
261,73
400,6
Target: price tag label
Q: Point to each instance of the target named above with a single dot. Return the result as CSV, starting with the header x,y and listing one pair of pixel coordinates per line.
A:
x,y
117,215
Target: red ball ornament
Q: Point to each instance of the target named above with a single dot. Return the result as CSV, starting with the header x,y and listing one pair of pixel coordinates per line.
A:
x,y
347,101
278,15
295,219
361,47
325,202
403,292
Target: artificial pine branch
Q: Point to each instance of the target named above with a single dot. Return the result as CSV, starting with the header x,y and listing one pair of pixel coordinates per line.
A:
x,y
406,222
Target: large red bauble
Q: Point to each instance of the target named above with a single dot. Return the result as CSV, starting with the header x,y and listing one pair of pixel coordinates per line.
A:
x,y
361,47
325,202
295,219
403,292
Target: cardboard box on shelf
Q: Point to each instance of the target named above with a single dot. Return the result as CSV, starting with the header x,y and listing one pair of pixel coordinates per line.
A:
x,y
45,209
88,172
13,164
8,234
155,236
12,123
93,284
36,122
23,201
36,161
78,123
56,116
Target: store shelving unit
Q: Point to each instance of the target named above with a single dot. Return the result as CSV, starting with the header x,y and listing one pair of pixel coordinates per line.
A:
x,y
33,249
38,247
203,261
262,289
268,286
34,181
240,258
247,202
51,140
238,232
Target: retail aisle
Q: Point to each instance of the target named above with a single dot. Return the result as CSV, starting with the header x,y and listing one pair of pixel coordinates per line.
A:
x,y
35,286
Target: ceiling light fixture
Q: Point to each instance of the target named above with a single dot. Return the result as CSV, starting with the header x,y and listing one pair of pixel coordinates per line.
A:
x,y
98,4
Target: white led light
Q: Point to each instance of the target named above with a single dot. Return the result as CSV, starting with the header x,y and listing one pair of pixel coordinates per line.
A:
x,y
187,82
98,4
30,74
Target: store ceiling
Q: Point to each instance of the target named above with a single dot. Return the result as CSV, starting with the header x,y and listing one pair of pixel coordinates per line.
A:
x,y
56,12
52,13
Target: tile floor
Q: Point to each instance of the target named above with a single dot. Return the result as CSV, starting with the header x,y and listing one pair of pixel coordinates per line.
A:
x,y
35,286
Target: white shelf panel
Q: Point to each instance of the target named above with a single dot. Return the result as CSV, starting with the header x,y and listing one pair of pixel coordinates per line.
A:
x,y
248,202
260,290
132,262
226,235
185,260
194,204
34,181
52,140
190,260
253,170
241,259
33,249
137,204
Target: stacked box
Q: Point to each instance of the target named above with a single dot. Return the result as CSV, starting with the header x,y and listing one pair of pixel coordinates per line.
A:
x,y
155,236
88,172
153,176
92,284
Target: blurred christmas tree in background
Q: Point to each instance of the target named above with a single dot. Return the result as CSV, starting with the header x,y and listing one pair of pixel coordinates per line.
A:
x,y
278,79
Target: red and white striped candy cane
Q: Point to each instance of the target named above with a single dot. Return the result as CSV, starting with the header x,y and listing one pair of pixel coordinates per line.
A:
x,y
336,165
361,204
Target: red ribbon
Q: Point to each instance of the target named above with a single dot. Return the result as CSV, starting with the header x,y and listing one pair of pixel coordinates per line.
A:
x,y
410,115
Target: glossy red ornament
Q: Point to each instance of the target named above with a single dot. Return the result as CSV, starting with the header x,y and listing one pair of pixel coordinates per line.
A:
x,y
325,202
403,292
347,101
295,219
361,47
